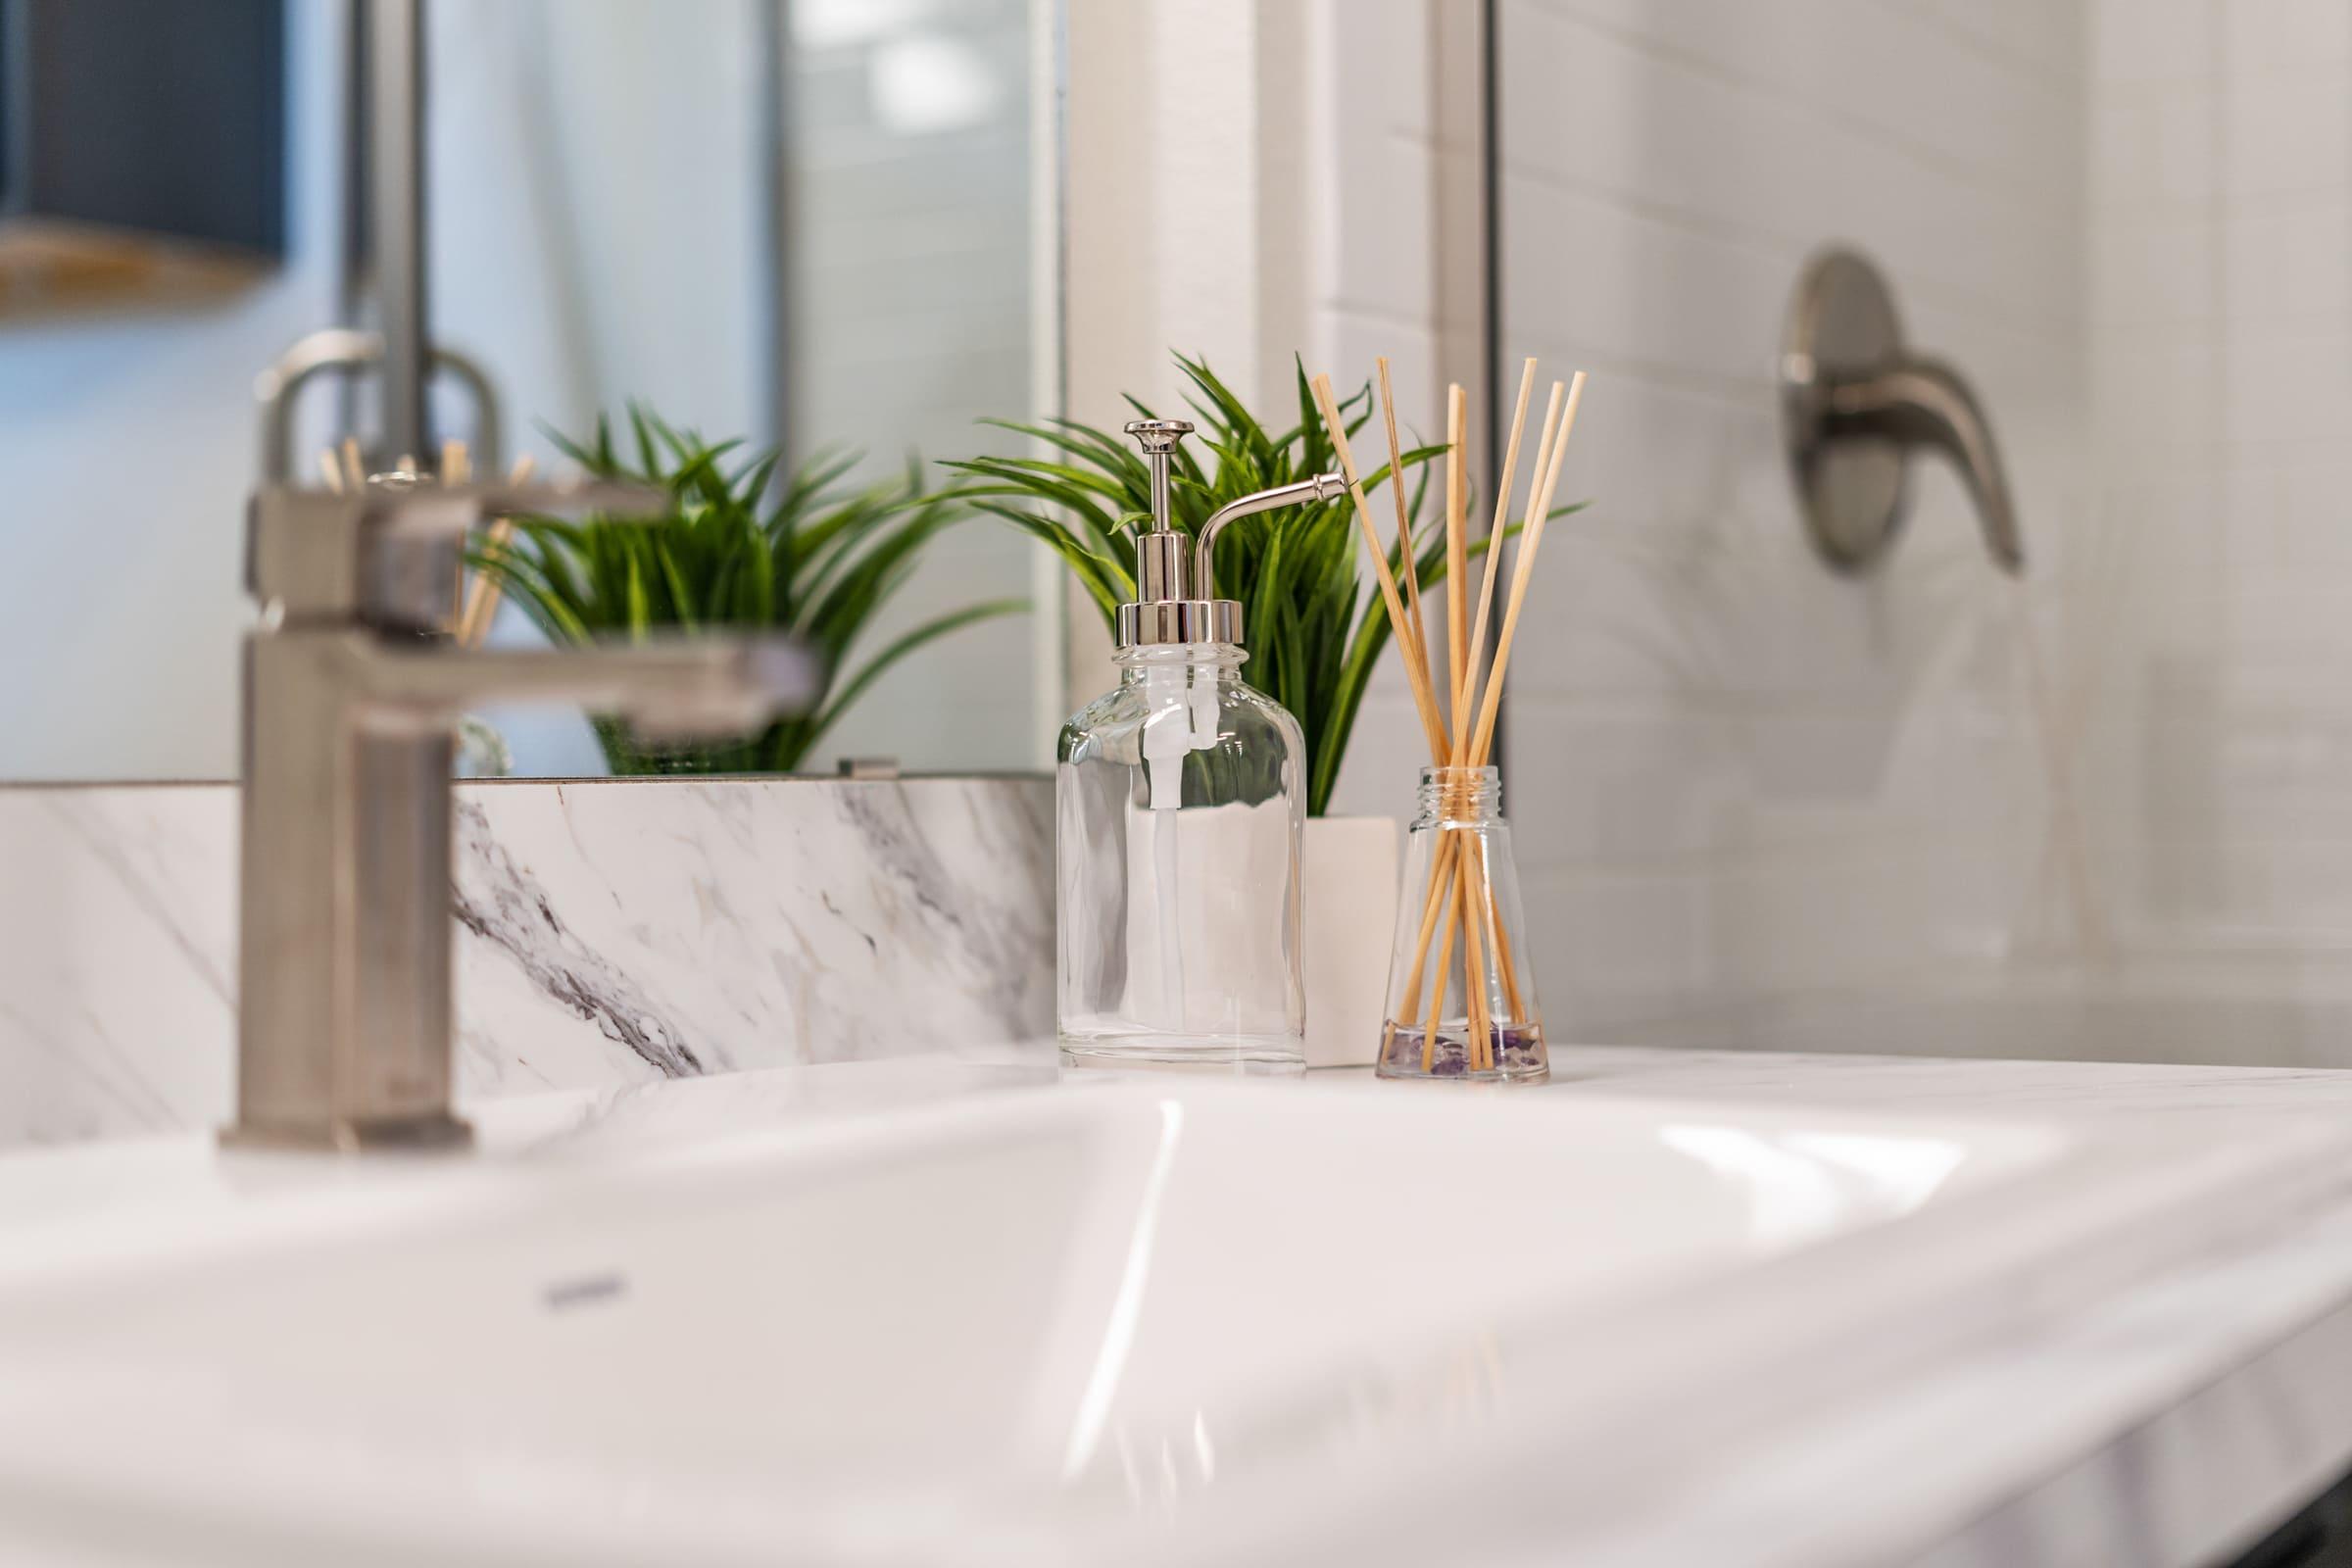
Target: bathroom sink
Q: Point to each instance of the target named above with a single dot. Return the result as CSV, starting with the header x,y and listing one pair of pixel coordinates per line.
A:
x,y
1088,1322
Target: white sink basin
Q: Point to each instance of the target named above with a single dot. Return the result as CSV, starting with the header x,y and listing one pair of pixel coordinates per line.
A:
x,y
1084,1322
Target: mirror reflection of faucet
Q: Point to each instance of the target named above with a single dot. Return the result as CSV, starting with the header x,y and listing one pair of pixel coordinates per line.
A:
x,y
350,354
1856,403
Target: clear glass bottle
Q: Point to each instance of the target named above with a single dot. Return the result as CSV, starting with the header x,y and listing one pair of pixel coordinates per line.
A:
x,y
1461,999
1180,808
1179,829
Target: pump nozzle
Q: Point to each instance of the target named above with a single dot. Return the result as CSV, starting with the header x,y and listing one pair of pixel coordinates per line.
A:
x,y
1322,487
1171,570
1159,551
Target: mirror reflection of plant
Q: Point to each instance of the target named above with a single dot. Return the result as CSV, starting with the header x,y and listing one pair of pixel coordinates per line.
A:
x,y
820,565
1314,630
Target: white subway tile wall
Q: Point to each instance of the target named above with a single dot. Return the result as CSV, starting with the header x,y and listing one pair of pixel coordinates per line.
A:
x,y
2221,348
1734,776
1760,804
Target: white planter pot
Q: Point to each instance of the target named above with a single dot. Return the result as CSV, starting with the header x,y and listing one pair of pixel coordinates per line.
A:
x,y
1346,919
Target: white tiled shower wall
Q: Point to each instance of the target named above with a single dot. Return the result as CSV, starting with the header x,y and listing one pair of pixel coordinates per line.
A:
x,y
1744,786
2221,291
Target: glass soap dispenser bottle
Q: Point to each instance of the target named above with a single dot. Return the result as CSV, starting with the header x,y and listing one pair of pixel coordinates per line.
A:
x,y
1180,801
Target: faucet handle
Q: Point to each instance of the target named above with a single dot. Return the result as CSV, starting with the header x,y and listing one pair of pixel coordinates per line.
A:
x,y
387,557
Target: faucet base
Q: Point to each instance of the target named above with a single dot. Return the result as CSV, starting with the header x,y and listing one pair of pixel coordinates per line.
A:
x,y
427,1133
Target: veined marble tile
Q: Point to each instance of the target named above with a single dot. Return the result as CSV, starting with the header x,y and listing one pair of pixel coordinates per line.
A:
x,y
608,932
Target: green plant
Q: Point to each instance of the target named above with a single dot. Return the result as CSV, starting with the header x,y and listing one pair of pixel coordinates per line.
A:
x,y
1314,630
820,565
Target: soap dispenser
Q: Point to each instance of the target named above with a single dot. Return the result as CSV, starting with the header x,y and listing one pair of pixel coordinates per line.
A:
x,y
1180,802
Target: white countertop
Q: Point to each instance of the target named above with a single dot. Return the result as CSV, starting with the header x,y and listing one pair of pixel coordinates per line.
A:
x,y
2177,1424
2174,1421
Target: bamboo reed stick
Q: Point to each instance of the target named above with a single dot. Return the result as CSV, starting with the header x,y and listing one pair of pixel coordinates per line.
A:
x,y
1467,709
1416,668
1441,860
1478,1054
1404,520
1436,1000
1503,484
1440,868
457,467
1538,519
1473,987
354,472
331,468
1445,880
1464,680
481,603
1522,572
1458,545
1499,938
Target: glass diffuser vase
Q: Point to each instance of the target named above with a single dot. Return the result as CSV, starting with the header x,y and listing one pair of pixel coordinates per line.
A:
x,y
1461,1000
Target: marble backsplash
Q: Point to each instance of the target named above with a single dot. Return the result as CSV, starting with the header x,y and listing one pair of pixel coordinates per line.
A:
x,y
608,932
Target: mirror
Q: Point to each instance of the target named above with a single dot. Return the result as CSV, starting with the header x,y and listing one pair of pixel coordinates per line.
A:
x,y
803,226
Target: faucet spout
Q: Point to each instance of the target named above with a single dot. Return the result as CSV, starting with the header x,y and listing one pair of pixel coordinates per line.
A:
x,y
1303,492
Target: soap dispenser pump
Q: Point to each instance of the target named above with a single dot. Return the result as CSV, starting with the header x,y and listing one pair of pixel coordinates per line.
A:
x,y
1180,802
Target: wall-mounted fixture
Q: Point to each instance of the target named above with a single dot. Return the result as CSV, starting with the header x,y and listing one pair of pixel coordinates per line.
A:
x,y
142,149
1855,405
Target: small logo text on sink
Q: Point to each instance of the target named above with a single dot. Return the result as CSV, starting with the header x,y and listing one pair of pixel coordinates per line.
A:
x,y
583,1289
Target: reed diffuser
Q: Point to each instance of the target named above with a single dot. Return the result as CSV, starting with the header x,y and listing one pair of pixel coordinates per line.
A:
x,y
1461,1003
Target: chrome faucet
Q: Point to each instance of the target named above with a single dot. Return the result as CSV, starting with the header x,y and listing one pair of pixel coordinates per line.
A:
x,y
352,699
1855,403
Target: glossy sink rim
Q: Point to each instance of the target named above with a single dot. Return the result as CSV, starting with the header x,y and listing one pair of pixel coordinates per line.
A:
x,y
1603,1372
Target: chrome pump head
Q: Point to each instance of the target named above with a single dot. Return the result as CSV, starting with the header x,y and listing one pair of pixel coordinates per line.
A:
x,y
1169,567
